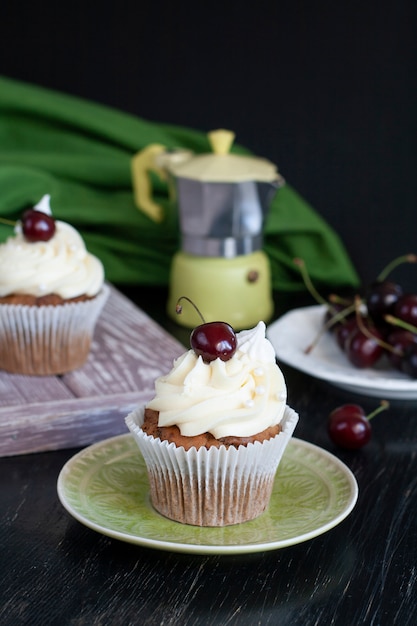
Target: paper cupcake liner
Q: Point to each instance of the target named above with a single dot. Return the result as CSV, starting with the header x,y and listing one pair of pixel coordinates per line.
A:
x,y
48,340
215,486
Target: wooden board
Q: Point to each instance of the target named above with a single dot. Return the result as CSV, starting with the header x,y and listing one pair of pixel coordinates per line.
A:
x,y
129,351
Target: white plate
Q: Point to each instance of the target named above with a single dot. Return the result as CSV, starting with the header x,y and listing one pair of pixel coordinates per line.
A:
x,y
294,331
105,487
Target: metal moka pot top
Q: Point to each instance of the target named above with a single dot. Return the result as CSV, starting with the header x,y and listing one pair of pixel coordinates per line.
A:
x,y
223,199
222,219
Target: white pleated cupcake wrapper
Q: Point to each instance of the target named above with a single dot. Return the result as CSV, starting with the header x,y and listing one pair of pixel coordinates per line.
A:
x,y
52,335
215,486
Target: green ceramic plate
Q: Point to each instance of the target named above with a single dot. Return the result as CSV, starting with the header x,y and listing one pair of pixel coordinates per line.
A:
x,y
105,487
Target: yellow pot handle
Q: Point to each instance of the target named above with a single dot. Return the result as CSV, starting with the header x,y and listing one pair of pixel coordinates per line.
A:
x,y
142,163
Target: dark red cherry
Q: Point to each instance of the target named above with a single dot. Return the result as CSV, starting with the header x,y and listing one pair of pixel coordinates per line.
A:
x,y
37,225
348,426
400,339
331,313
362,350
381,299
344,331
383,294
406,309
214,340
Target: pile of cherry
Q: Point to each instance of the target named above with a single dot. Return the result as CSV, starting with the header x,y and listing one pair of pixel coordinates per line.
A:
x,y
389,327
382,322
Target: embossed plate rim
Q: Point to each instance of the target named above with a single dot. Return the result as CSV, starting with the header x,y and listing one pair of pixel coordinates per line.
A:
x,y
192,545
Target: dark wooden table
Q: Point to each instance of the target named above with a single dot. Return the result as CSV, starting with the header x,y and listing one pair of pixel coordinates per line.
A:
x,y
53,570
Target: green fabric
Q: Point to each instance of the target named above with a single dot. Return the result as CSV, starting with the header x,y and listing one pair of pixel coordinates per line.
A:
x,y
79,152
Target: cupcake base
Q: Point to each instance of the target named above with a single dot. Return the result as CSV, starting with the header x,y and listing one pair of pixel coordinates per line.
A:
x,y
48,340
215,486
232,504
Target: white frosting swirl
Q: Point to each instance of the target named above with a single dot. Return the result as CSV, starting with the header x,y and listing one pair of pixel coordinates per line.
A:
x,y
240,397
61,265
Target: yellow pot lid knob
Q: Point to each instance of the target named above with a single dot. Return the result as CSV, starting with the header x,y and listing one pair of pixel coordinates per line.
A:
x,y
221,140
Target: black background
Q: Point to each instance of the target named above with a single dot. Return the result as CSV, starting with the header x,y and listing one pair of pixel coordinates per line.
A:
x,y
326,90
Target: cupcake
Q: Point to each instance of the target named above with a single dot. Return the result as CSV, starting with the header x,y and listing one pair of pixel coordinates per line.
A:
x,y
214,433
51,294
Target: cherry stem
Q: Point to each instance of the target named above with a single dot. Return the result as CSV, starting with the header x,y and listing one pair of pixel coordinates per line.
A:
x,y
362,327
335,299
3,220
178,307
308,283
405,258
382,407
395,321
310,287
337,317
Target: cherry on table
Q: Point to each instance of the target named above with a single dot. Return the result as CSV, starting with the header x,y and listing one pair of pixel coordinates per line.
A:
x,y
349,427
37,225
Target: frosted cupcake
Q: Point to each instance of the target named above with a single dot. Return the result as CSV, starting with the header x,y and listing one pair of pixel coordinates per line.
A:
x,y
215,432
51,294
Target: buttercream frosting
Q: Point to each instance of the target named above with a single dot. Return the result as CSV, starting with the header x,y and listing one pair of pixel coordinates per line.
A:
x,y
239,397
61,265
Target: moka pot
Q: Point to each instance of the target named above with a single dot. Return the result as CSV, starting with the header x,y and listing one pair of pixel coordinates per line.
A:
x,y
223,200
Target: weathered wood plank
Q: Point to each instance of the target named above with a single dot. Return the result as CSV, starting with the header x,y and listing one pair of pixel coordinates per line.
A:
x,y
47,413
65,424
17,389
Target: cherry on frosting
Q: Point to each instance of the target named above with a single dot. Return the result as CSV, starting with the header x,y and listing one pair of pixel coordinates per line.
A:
x,y
214,340
37,225
211,340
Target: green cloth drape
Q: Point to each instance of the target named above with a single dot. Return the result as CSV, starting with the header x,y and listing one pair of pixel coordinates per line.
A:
x,y
79,152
